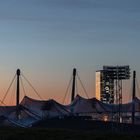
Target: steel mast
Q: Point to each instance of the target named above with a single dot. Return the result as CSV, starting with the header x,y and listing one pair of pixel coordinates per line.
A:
x,y
18,91
133,97
73,84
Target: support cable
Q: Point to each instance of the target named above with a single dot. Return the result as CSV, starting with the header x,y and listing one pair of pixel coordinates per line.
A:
x,y
77,91
13,91
83,86
8,89
2,103
130,93
32,86
137,84
22,86
68,87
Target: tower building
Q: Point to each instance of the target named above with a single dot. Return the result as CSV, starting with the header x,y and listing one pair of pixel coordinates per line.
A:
x,y
109,83
104,87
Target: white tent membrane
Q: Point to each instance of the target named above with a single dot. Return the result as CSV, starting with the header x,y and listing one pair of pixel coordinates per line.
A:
x,y
32,110
82,105
6,110
45,109
8,116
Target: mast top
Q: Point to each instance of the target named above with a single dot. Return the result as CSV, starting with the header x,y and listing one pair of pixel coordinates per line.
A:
x,y
74,72
18,72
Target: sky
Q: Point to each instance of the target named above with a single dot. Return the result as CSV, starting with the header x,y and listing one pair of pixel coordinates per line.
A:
x,y
46,39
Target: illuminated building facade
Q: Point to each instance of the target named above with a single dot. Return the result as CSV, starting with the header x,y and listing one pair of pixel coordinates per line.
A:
x,y
104,87
109,83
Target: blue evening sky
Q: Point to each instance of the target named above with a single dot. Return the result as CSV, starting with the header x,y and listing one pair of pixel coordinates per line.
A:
x,y
47,38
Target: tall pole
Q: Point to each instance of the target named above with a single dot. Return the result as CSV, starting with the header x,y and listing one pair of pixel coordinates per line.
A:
x,y
18,90
134,85
73,85
133,97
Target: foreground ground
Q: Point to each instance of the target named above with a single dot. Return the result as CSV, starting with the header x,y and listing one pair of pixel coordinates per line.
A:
x,y
53,134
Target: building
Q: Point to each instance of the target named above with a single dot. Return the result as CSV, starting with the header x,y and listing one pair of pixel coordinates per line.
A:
x,y
104,86
109,83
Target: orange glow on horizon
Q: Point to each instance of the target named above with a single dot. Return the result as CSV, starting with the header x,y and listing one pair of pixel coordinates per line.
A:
x,y
47,90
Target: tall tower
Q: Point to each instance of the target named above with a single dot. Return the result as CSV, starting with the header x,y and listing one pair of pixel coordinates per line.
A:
x,y
109,83
104,87
17,93
133,97
18,87
73,85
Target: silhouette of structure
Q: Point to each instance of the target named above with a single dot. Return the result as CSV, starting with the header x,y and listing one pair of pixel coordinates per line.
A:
x,y
73,85
104,86
133,97
30,112
18,88
18,92
109,83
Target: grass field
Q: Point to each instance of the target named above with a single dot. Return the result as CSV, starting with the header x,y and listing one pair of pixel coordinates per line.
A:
x,y
51,134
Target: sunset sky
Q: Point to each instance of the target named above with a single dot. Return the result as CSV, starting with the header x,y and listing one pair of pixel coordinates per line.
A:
x,y
46,39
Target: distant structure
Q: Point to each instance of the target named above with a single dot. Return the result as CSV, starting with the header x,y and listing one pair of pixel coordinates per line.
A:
x,y
73,84
133,97
104,87
18,73
109,83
